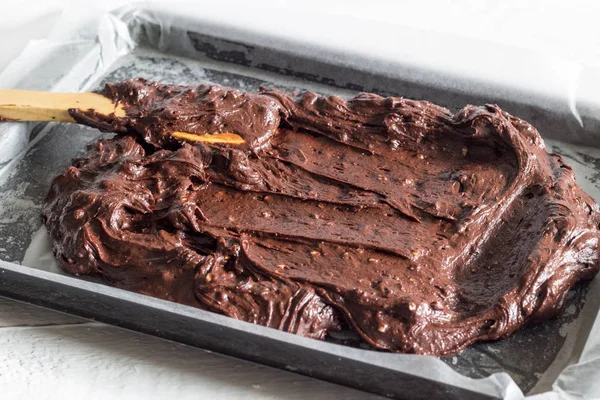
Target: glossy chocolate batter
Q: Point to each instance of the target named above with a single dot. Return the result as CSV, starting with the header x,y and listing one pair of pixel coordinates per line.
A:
x,y
421,230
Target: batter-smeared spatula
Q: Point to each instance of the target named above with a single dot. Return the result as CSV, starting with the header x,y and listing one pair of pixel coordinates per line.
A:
x,y
25,105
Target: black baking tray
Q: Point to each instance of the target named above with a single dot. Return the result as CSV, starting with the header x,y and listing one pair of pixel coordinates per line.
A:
x,y
195,51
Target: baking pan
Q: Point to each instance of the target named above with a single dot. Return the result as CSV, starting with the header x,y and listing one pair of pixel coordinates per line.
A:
x,y
193,51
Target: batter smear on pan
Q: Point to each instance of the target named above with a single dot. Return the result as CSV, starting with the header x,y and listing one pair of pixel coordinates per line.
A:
x,y
420,229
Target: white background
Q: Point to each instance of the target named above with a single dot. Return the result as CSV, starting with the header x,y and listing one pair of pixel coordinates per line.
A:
x,y
47,355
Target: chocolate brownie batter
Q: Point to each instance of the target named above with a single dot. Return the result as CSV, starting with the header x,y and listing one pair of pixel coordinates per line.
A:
x,y
420,229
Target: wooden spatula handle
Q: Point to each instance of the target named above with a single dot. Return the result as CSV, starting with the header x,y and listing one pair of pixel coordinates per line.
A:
x,y
25,105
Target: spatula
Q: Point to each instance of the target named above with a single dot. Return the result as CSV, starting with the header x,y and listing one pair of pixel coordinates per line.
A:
x,y
25,105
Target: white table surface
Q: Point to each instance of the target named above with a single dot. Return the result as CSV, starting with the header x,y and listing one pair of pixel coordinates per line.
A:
x,y
44,354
